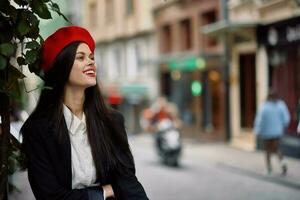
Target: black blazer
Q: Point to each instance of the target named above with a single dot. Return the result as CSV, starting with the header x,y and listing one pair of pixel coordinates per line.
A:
x,y
49,167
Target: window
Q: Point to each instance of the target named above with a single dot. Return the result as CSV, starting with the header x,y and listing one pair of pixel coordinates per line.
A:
x,y
109,11
208,18
101,68
129,7
93,14
139,50
117,58
186,34
166,39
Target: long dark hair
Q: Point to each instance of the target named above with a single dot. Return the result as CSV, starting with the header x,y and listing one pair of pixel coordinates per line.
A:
x,y
104,132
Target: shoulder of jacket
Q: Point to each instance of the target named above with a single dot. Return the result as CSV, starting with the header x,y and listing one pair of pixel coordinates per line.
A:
x,y
35,125
116,115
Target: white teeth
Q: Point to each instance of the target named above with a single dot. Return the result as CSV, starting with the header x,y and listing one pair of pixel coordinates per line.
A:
x,y
90,72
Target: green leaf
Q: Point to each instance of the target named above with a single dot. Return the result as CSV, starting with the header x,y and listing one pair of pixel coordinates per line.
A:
x,y
11,85
41,9
13,13
65,18
23,27
21,61
9,11
21,2
7,49
55,7
33,20
35,68
31,56
6,31
33,33
41,39
3,62
32,45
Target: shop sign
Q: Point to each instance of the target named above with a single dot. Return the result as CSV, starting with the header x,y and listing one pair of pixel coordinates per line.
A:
x,y
284,35
293,33
188,64
280,33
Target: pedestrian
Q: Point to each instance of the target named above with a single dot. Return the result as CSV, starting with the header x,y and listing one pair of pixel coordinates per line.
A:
x,y
270,123
76,147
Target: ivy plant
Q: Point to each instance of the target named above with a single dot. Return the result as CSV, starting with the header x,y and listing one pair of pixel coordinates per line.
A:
x,y
20,45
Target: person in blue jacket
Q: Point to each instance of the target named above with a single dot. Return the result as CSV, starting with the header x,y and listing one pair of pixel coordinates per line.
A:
x,y
270,123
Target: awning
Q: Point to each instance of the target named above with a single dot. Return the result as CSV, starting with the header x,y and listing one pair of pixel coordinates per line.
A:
x,y
186,64
134,92
223,26
134,88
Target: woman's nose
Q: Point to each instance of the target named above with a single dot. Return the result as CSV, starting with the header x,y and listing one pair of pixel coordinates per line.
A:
x,y
91,61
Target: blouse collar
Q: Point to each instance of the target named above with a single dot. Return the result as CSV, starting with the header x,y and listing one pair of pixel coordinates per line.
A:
x,y
74,124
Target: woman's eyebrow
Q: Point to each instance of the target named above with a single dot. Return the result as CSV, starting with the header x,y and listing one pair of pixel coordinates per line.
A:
x,y
80,52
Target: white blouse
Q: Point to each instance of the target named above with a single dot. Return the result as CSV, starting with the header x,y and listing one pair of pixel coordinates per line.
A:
x,y
83,166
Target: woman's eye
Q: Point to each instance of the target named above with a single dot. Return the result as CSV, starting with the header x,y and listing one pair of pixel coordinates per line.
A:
x,y
80,58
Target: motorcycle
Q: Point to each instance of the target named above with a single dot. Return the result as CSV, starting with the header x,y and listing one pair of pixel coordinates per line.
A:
x,y
168,142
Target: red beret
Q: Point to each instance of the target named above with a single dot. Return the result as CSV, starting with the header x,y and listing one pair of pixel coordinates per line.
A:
x,y
60,39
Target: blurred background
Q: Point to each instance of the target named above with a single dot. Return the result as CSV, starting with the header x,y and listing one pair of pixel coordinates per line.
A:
x,y
214,61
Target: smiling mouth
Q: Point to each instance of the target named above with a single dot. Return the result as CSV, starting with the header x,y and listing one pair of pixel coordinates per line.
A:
x,y
91,72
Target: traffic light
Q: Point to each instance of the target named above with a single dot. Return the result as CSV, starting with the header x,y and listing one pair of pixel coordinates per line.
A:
x,y
196,88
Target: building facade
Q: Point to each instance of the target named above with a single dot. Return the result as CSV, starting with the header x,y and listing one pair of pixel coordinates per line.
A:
x,y
263,38
191,73
125,50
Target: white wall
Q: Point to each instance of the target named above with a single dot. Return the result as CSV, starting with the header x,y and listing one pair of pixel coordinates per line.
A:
x,y
131,64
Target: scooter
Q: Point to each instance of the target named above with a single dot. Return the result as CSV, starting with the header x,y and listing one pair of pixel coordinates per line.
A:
x,y
168,142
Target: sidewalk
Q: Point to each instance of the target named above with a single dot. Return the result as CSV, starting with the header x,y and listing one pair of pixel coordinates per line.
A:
x,y
228,158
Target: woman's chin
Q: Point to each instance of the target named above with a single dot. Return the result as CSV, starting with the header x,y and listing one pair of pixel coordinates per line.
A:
x,y
91,84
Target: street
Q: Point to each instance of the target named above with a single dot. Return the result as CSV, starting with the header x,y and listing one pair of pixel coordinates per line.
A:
x,y
203,178
211,171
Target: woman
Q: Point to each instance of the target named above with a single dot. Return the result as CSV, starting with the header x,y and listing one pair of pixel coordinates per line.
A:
x,y
76,147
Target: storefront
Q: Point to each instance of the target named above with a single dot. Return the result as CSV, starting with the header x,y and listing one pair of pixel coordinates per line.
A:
x,y
130,99
181,84
196,89
282,42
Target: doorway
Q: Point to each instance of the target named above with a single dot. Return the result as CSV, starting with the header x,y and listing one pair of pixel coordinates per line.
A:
x,y
247,90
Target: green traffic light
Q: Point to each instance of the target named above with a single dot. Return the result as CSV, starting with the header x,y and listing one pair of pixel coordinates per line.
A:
x,y
196,88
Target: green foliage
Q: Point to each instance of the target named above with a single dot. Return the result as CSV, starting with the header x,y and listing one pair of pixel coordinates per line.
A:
x,y
20,25
19,30
41,9
3,62
7,49
8,83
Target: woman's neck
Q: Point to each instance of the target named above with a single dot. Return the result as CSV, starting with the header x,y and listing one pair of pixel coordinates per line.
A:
x,y
74,99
